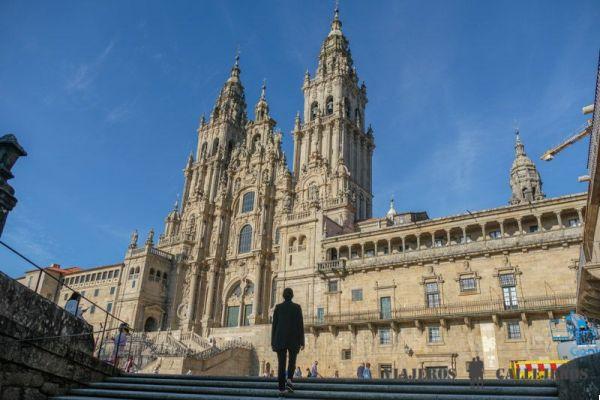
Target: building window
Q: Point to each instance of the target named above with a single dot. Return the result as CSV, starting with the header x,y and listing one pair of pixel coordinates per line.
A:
x,y
116,275
514,329
314,110
112,290
329,106
245,243
495,234
465,239
96,292
110,274
432,294
92,309
434,335
509,291
233,314
247,314
533,228
573,222
346,354
133,284
109,307
332,286
385,336
276,240
357,294
468,284
385,371
248,202
104,274
320,314
385,307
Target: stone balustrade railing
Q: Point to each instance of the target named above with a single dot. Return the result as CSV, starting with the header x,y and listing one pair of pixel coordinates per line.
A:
x,y
558,302
332,266
298,216
458,250
170,240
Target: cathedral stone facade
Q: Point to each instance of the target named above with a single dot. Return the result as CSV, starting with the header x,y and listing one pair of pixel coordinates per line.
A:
x,y
402,291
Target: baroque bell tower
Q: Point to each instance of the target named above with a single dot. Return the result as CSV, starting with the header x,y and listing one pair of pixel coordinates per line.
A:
x,y
333,141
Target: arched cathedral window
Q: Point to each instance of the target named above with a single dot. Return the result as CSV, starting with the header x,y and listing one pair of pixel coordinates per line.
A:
x,y
215,147
203,151
248,202
329,106
314,110
245,243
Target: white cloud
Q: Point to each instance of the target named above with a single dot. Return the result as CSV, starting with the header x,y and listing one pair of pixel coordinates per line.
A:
x,y
86,73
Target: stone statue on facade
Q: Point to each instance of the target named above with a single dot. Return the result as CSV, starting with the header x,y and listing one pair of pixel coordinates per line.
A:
x,y
134,240
150,239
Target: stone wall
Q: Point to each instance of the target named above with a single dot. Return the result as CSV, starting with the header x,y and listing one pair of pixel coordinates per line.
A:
x,y
579,379
35,368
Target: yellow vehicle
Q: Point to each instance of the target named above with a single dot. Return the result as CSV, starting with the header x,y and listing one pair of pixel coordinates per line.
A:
x,y
534,369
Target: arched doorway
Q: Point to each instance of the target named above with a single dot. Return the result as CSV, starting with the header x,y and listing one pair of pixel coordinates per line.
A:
x,y
150,325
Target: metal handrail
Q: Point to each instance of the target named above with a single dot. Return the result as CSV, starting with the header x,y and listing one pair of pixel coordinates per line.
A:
x,y
96,305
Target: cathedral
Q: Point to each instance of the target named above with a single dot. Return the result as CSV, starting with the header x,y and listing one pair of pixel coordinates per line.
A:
x,y
400,291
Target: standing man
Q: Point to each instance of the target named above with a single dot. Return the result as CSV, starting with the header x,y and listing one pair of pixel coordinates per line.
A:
x,y
287,338
360,370
367,372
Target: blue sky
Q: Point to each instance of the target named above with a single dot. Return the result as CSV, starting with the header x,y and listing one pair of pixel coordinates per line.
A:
x,y
106,97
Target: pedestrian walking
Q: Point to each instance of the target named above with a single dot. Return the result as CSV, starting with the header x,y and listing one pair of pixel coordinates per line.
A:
x,y
120,341
287,339
314,370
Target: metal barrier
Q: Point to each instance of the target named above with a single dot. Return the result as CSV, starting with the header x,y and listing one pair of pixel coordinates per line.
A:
x,y
123,329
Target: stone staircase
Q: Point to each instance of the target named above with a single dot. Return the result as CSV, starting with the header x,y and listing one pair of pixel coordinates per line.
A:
x,y
157,387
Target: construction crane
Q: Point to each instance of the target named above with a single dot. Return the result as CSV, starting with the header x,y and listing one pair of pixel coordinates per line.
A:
x,y
549,155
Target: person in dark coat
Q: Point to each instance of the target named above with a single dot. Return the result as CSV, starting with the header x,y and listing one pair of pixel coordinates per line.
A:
x,y
287,338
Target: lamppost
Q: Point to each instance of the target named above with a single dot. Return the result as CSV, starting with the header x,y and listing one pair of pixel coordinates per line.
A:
x,y
10,151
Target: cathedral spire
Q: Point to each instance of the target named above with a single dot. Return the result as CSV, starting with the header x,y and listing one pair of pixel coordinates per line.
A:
x,y
525,180
336,24
261,111
231,103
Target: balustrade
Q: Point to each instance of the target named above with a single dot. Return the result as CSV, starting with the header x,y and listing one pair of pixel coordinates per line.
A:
x,y
557,302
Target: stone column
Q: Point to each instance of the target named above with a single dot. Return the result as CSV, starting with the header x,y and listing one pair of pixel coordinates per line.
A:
x,y
358,154
257,307
483,232
335,146
539,222
193,294
580,215
449,239
559,219
403,249
210,298
502,229
520,224
464,234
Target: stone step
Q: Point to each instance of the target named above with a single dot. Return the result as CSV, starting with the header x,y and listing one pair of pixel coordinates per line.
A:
x,y
191,385
448,382
246,393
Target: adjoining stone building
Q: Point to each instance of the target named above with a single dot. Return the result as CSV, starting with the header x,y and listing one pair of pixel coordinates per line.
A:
x,y
403,291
